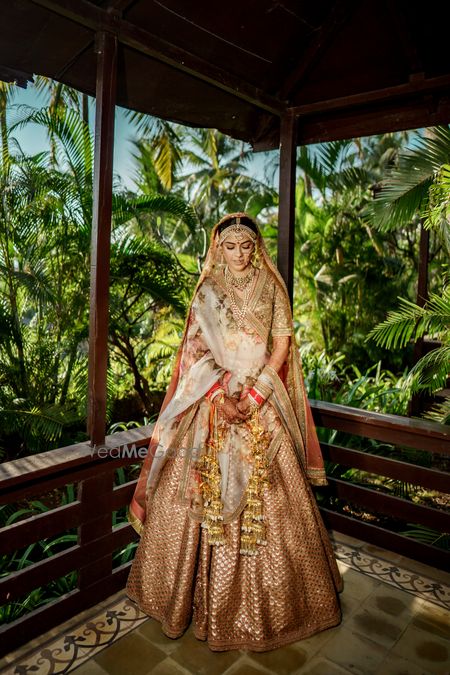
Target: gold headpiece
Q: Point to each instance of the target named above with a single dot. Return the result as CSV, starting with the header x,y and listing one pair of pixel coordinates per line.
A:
x,y
238,229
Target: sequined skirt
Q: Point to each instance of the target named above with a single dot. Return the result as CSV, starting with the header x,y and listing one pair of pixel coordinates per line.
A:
x,y
285,593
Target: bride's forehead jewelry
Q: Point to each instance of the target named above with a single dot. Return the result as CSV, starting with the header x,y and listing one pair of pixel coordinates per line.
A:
x,y
239,229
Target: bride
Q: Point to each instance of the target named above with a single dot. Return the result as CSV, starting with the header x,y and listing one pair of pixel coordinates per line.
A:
x,y
231,536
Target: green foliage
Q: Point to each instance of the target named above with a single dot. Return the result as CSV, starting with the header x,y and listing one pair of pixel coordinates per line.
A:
x,y
405,190
345,272
437,213
413,321
33,553
427,535
45,232
331,379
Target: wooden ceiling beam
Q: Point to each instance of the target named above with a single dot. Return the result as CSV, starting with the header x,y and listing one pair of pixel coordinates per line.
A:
x,y
16,76
416,85
117,5
96,18
356,124
333,125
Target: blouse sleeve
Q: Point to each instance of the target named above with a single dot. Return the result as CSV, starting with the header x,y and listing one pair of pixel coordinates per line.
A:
x,y
281,315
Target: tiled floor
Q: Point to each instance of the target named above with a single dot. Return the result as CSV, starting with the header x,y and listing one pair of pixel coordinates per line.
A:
x,y
396,621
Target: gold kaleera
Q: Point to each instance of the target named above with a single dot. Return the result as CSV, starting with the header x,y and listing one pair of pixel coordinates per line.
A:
x,y
210,485
253,529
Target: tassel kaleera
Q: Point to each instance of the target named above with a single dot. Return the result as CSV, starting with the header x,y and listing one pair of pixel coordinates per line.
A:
x,y
253,529
210,485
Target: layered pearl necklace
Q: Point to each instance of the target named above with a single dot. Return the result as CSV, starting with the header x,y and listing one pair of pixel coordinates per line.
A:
x,y
241,283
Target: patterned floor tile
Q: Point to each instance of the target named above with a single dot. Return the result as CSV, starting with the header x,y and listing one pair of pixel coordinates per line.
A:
x,y
379,590
393,574
81,642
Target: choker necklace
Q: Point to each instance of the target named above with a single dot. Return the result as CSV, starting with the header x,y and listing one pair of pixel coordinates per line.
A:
x,y
239,282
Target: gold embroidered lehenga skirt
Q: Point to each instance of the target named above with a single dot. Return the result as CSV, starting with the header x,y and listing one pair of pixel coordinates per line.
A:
x,y
285,593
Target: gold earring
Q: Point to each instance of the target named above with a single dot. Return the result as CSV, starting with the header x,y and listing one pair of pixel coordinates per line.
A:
x,y
256,257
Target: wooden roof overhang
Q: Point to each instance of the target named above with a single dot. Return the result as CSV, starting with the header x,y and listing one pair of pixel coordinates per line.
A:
x,y
274,73
346,68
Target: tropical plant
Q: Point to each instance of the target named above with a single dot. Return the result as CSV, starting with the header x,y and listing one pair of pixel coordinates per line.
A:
x,y
208,169
403,193
345,272
45,224
421,182
332,379
412,321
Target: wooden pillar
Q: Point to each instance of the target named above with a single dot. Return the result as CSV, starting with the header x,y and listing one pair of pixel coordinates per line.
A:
x,y
286,209
424,253
418,400
106,48
95,495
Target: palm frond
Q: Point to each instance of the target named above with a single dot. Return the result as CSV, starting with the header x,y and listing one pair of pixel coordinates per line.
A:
x,y
39,425
75,142
405,192
125,208
437,215
167,159
439,412
37,282
349,178
400,326
332,155
432,370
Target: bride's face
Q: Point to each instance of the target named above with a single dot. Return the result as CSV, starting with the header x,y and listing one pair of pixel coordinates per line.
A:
x,y
237,253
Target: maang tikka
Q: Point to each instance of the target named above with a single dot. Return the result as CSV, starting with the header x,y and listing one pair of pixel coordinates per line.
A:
x,y
239,229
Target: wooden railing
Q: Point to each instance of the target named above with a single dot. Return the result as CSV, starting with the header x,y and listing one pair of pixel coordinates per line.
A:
x,y
399,431
98,498
91,514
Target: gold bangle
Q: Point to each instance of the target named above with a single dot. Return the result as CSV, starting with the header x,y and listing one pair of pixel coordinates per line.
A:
x,y
253,403
219,399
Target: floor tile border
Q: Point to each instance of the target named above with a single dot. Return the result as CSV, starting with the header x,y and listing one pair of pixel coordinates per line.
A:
x,y
64,653
393,574
86,638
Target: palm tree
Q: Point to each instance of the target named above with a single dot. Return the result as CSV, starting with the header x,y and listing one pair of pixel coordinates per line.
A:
x,y
45,224
202,166
344,270
159,151
217,178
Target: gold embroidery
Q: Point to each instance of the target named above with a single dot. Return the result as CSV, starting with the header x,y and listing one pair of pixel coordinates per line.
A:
x,y
286,412
188,458
282,319
135,522
281,332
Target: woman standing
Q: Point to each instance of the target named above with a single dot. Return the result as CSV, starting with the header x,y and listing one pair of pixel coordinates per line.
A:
x,y
231,536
